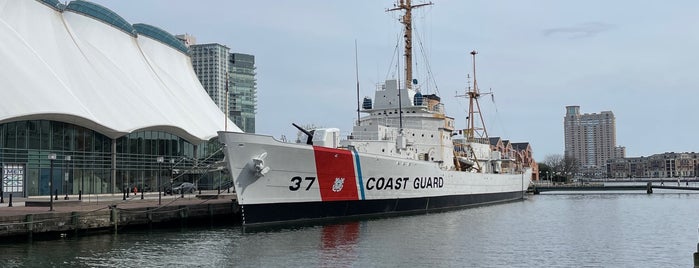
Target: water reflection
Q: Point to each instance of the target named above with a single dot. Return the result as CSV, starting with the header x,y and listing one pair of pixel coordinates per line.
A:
x,y
339,244
599,230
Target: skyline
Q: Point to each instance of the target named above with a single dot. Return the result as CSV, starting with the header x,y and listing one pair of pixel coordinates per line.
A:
x,y
634,59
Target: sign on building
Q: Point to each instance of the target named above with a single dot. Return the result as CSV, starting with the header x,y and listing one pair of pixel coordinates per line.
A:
x,y
13,178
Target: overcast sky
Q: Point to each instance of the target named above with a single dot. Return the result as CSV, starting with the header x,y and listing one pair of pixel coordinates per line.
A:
x,y
638,59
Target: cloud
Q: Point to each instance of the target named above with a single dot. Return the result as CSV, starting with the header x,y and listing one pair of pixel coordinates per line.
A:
x,y
585,30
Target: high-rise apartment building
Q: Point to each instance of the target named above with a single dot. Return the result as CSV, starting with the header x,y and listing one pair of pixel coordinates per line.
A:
x,y
591,140
229,79
210,62
244,91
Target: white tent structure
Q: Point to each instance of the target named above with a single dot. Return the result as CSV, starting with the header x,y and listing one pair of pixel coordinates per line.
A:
x,y
83,64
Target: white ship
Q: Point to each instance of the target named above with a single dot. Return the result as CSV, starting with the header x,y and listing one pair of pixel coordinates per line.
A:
x,y
404,156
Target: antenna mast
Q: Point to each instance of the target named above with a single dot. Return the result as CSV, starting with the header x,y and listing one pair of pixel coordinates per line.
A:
x,y
407,21
473,132
356,74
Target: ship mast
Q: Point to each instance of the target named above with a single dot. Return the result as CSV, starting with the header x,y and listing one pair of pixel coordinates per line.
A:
x,y
407,21
473,132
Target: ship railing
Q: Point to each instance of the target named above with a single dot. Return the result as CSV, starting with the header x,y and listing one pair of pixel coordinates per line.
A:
x,y
371,135
395,122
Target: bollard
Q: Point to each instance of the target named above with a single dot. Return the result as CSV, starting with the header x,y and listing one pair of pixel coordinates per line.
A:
x,y
80,195
649,188
10,204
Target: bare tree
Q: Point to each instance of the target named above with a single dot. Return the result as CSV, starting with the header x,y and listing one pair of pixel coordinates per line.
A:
x,y
555,162
563,168
571,166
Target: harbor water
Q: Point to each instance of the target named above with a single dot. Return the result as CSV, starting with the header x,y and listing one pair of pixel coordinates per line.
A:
x,y
548,230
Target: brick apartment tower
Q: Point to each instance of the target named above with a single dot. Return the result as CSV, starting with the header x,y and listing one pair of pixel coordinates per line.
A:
x,y
590,139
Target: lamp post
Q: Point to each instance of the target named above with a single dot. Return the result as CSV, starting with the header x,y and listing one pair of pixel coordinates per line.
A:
x,y
160,160
52,157
65,166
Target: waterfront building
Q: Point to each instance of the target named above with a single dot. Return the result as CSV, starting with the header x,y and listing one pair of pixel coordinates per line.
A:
x,y
522,154
665,165
590,139
97,104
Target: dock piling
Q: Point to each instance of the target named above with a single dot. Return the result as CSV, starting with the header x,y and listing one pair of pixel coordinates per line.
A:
x,y
29,219
696,257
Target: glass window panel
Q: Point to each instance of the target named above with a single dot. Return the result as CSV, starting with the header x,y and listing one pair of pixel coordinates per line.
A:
x,y
79,140
57,140
68,137
87,135
98,141
33,135
11,135
21,135
133,144
2,135
45,134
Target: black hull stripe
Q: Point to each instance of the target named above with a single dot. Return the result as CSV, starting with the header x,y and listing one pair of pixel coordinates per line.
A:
x,y
289,213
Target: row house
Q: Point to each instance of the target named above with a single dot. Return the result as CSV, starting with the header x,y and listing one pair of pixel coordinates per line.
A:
x,y
666,165
521,154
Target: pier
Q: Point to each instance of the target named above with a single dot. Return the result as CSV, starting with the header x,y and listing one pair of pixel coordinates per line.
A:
x,y
594,187
112,213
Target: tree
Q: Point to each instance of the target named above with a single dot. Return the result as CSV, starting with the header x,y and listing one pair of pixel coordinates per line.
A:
x,y
562,168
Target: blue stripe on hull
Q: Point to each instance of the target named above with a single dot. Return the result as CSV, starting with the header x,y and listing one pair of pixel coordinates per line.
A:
x,y
282,213
359,171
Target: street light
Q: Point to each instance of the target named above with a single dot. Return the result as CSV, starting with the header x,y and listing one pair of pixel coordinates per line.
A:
x,y
160,160
52,157
65,166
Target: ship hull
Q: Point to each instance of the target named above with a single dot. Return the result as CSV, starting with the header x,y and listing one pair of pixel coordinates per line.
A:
x,y
279,183
284,213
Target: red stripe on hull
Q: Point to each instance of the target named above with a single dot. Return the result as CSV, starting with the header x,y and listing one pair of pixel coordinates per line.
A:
x,y
336,175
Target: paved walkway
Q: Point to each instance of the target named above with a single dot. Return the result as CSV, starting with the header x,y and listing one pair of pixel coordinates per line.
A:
x,y
103,201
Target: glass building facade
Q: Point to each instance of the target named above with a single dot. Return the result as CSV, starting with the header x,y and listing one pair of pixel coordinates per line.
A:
x,y
91,163
244,95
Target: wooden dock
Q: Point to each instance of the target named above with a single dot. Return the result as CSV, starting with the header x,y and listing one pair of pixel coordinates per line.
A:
x,y
111,213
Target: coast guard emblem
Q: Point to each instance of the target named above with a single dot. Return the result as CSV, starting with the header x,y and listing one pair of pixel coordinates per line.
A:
x,y
337,186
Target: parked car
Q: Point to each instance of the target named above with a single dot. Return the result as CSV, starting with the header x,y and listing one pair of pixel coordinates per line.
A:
x,y
185,187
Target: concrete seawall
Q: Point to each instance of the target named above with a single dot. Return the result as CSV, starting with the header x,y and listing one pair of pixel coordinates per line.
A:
x,y
71,217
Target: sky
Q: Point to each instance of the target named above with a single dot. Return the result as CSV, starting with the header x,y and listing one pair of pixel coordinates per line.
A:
x,y
638,59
